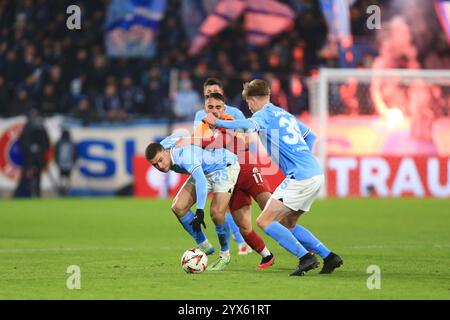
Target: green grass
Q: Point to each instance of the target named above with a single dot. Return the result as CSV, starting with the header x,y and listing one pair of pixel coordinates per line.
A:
x,y
131,249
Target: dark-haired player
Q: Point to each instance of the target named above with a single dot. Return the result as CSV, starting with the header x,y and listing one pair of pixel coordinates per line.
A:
x,y
211,171
214,85
251,182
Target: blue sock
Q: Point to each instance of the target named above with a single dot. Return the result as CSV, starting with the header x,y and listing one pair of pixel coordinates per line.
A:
x,y
223,233
286,239
310,242
234,228
199,237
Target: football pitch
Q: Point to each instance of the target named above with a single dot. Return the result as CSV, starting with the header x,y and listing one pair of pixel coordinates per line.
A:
x,y
131,249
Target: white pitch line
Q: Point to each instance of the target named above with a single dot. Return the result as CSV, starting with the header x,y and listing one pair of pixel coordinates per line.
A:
x,y
437,246
33,250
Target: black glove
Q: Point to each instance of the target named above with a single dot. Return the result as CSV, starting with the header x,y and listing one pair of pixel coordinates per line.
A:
x,y
198,220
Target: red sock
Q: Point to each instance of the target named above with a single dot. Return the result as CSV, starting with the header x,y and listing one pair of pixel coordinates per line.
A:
x,y
254,241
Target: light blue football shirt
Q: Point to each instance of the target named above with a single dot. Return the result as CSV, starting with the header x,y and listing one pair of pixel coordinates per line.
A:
x,y
170,141
304,129
190,158
281,134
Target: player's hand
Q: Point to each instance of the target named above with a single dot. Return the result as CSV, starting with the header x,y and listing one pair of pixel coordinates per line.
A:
x,y
210,119
199,219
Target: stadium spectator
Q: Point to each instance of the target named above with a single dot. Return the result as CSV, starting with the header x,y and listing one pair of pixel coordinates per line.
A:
x,y
421,111
131,97
278,97
34,145
84,111
187,101
13,68
298,59
439,105
348,96
21,103
54,77
36,50
78,86
48,100
109,105
156,103
3,97
65,158
97,78
298,95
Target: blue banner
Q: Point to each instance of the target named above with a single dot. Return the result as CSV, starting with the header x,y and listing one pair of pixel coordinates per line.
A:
x,y
131,26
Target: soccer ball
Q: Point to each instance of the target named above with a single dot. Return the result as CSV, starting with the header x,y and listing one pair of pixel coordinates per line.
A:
x,y
194,261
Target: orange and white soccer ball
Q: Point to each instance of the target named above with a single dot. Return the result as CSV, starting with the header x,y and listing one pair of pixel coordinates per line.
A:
x,y
194,261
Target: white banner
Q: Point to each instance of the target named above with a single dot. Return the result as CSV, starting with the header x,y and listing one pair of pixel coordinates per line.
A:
x,y
105,154
368,176
11,158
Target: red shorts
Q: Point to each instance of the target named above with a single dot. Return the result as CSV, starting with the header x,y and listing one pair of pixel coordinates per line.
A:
x,y
250,184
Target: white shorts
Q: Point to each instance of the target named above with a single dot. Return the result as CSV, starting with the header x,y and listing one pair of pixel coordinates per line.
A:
x,y
221,180
299,194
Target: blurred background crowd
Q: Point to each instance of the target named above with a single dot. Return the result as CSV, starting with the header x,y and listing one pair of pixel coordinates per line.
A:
x,y
93,74
46,67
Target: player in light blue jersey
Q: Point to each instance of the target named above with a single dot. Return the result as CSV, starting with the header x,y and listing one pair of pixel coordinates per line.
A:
x,y
307,135
214,171
178,208
213,85
281,134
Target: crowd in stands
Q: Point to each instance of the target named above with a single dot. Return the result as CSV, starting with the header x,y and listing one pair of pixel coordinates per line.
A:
x,y
47,67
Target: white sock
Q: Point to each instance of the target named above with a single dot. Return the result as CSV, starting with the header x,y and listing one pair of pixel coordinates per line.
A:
x,y
265,252
204,244
224,254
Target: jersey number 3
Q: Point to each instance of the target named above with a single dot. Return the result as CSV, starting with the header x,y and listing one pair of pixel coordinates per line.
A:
x,y
294,135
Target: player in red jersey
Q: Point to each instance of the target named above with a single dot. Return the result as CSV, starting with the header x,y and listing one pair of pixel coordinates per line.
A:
x,y
251,182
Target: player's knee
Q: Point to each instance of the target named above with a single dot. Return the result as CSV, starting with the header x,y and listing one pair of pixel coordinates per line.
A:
x,y
217,220
291,220
244,230
178,209
262,222
288,223
217,216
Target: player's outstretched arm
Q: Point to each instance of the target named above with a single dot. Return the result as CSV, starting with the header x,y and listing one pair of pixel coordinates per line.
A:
x,y
201,187
245,124
201,137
